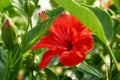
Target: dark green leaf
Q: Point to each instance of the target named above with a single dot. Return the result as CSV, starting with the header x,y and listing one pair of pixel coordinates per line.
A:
x,y
79,75
3,62
84,67
14,70
65,77
117,77
104,18
36,2
86,16
117,54
50,75
117,33
117,4
36,33
56,12
53,3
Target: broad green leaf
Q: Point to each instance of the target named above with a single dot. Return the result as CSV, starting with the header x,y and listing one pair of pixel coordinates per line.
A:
x,y
117,4
3,62
4,4
40,30
90,1
105,20
84,67
80,1
86,16
50,75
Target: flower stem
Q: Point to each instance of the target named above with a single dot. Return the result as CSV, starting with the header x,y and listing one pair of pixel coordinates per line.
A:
x,y
19,48
113,57
110,77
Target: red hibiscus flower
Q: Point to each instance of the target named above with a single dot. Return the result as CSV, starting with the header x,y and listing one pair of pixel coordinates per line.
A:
x,y
69,39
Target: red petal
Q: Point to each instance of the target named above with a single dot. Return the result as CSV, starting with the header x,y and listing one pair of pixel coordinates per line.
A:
x,y
47,57
84,43
67,27
71,58
49,41
63,26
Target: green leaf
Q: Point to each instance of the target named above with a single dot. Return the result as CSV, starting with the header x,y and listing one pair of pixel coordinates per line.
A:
x,y
90,2
53,3
15,69
117,54
79,75
84,67
80,1
117,77
36,33
104,18
56,12
117,4
4,4
3,62
50,75
86,16
18,5
64,77
39,30
36,2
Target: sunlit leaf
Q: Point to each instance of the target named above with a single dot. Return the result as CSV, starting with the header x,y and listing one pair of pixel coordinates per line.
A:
x,y
104,19
90,1
4,4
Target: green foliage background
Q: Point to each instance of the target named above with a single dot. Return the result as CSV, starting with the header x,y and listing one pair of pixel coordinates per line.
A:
x,y
26,28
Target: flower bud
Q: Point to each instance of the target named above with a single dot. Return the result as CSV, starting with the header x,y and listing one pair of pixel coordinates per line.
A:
x,y
29,7
8,34
30,62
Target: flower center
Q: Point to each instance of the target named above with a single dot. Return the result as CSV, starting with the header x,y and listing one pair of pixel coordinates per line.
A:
x,y
69,45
